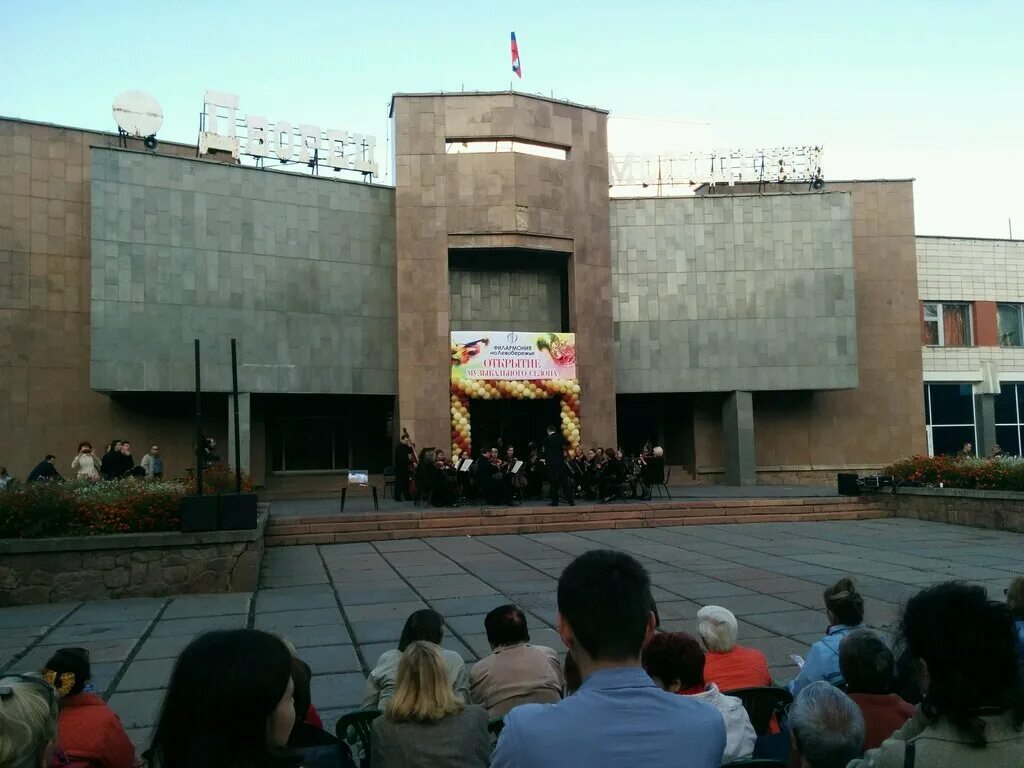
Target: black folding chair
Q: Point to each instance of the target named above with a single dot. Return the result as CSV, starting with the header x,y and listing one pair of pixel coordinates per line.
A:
x,y
354,729
762,704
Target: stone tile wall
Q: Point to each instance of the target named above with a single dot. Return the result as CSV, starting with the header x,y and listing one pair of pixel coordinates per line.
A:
x,y
299,270
523,300
129,565
446,201
734,292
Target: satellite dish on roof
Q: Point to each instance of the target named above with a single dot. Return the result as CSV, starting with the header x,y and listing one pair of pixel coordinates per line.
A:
x,y
138,114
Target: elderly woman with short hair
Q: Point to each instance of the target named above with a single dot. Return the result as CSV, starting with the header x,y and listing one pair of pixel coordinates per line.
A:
x,y
729,666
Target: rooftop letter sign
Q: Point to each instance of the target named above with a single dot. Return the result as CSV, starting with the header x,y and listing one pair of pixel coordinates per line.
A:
x,y
223,130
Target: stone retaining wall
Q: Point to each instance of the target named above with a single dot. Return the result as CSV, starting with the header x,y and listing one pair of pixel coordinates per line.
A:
x,y
129,565
996,510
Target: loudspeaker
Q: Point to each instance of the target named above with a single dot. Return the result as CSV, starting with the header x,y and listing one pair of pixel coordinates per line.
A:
x,y
237,511
150,142
847,484
198,514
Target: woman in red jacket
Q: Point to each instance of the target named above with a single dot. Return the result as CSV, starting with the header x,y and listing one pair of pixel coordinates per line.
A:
x,y
88,731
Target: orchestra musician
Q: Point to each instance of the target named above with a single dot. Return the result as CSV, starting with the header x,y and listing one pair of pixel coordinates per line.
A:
x,y
405,466
517,480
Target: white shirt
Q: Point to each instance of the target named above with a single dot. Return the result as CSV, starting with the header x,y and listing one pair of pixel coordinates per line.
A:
x,y
380,685
739,733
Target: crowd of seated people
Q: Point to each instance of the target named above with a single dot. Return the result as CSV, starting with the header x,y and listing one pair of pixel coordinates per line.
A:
x,y
628,694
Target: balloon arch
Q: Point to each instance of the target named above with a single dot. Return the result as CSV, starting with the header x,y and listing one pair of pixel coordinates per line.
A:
x,y
464,390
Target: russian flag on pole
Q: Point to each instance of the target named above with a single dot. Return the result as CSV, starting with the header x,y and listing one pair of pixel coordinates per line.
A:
x,y
516,66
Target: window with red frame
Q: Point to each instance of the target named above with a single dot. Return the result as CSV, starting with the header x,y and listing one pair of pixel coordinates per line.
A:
x,y
947,324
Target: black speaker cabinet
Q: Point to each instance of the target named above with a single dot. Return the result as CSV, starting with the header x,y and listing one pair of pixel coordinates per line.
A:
x,y
237,511
199,513
847,482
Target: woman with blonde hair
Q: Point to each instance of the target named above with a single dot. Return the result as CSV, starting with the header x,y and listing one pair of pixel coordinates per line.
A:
x,y
28,722
424,725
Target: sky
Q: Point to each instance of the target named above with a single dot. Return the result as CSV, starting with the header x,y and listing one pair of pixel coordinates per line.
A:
x,y
932,90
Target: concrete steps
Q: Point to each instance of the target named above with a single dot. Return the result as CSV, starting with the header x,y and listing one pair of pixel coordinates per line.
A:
x,y
479,521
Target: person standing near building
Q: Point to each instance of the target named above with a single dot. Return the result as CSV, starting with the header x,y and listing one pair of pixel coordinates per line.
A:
x,y
554,459
405,457
45,470
5,479
85,464
128,462
110,464
153,463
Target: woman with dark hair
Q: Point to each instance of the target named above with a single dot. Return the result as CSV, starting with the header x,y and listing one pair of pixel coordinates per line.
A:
x,y
845,608
425,625
89,732
972,714
229,705
675,662
319,748
424,724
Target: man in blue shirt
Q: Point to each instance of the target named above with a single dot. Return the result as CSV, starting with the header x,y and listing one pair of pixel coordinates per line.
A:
x,y
619,717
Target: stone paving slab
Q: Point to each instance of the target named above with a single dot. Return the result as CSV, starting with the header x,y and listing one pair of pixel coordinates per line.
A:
x,y
343,605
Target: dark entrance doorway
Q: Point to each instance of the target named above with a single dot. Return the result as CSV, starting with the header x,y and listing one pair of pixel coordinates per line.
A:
x,y
516,422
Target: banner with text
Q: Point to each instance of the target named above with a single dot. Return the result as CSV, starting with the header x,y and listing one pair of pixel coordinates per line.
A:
x,y
511,355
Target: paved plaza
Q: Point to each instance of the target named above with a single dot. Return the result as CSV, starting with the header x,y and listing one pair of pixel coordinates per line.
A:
x,y
342,605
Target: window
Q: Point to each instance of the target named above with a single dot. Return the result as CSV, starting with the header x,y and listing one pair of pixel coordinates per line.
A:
x,y
947,325
949,417
310,445
491,146
1010,325
1008,416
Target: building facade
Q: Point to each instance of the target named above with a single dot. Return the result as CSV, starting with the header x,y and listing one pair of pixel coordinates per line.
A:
x,y
972,300
768,336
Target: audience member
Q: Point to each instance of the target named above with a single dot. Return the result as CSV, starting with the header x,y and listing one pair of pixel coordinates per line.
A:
x,y
208,452
153,463
1015,599
826,728
869,671
425,625
845,608
5,479
727,665
28,722
229,703
972,711
319,749
516,672
85,464
424,725
89,732
605,620
112,464
44,470
571,673
675,661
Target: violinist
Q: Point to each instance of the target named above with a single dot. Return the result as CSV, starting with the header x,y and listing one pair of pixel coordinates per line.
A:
x,y
444,492
518,479
490,479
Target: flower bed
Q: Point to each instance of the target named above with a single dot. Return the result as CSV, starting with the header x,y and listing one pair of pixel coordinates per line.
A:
x,y
85,508
1002,474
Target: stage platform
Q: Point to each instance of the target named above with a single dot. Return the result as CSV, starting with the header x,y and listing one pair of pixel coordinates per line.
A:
x,y
320,521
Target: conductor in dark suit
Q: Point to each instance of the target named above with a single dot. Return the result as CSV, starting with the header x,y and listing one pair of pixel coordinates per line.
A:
x,y
558,474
